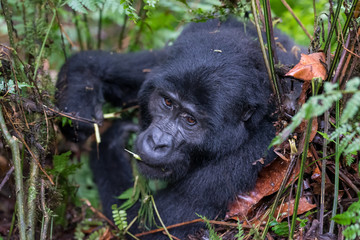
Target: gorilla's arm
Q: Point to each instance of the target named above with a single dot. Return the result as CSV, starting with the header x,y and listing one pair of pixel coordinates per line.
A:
x,y
88,79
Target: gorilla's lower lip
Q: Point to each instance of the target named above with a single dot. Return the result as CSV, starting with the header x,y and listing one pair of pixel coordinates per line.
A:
x,y
163,169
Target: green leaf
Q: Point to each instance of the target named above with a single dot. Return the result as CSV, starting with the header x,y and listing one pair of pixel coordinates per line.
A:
x,y
127,194
281,229
344,218
352,107
82,5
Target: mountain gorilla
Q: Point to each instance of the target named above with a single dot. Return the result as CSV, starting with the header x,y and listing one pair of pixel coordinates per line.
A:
x,y
205,118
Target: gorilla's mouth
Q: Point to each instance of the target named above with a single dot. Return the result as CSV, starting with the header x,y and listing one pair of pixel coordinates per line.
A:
x,y
154,170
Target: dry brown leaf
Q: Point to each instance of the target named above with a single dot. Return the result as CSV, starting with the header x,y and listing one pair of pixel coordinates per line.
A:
x,y
268,182
310,66
287,209
284,210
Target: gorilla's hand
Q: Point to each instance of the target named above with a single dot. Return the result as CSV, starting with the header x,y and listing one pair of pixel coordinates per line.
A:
x,y
90,78
79,94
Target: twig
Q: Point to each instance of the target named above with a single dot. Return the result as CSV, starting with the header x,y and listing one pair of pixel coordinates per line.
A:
x,y
31,201
13,143
297,19
45,211
99,214
6,178
158,215
199,220
348,181
73,45
282,186
30,151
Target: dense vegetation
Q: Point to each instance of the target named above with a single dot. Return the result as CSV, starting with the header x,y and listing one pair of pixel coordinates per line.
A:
x,y
46,190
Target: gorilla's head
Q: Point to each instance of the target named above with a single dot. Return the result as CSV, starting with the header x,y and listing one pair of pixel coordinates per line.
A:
x,y
201,104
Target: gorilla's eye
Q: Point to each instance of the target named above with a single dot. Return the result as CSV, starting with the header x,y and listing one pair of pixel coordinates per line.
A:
x,y
190,120
167,102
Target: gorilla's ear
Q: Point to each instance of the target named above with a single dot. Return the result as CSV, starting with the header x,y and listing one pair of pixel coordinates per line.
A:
x,y
247,113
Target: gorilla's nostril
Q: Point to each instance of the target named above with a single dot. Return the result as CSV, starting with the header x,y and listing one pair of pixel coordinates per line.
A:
x,y
161,147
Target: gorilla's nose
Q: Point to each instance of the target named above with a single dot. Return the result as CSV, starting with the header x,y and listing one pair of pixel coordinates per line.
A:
x,y
158,143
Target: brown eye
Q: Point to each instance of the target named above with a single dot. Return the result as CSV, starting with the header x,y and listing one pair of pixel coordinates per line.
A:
x,y
190,120
167,102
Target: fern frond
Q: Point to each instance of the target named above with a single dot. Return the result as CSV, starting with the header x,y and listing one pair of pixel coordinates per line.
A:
x,y
82,5
351,108
119,217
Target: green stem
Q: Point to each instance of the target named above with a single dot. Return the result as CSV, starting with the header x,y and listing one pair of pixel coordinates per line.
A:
x,y
278,195
337,168
316,83
43,45
300,180
333,25
275,84
263,50
339,46
323,174
100,27
158,215
89,41
7,15
13,143
78,31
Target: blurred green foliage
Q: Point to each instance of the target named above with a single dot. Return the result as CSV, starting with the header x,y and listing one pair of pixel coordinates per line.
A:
x,y
157,23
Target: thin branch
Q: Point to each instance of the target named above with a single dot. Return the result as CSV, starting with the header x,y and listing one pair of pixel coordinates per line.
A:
x,y
199,220
31,200
158,215
6,178
13,143
45,211
297,19
30,151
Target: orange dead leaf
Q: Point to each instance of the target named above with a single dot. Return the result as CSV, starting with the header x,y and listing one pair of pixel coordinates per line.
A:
x,y
310,66
269,182
287,209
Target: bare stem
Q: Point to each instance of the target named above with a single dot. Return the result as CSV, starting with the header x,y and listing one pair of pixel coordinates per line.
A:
x,y
45,211
13,143
31,201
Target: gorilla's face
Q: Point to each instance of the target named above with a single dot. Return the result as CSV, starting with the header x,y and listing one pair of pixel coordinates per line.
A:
x,y
175,130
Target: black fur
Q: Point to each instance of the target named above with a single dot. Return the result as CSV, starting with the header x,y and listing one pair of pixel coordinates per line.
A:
x,y
215,68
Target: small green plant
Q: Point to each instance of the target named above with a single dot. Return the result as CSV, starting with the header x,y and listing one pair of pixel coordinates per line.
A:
x,y
280,229
317,105
119,217
85,226
212,233
240,234
351,219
